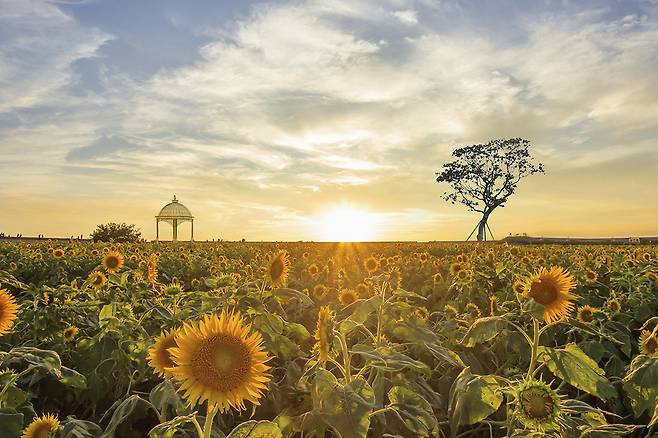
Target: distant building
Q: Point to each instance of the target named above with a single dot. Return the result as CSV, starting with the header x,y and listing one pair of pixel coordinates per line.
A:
x,y
175,214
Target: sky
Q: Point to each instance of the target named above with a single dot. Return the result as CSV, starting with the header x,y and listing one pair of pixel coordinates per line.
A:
x,y
271,119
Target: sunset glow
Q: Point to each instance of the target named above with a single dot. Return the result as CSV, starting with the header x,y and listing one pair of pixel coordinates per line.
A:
x,y
346,224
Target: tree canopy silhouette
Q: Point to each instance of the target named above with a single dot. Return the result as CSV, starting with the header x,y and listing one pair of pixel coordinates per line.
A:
x,y
113,232
484,176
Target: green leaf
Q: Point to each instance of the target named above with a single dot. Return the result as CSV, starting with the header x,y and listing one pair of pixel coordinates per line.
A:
x,y
256,429
169,428
129,411
74,428
483,330
343,407
416,411
107,311
165,397
287,294
387,359
577,369
472,399
361,310
73,378
445,354
11,423
609,431
640,384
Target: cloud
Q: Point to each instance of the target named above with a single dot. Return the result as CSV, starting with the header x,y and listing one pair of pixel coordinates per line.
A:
x,y
39,45
103,147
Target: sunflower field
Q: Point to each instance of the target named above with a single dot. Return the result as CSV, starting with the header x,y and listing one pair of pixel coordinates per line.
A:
x,y
327,340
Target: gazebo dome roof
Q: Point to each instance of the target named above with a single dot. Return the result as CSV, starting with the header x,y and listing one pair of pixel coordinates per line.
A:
x,y
175,210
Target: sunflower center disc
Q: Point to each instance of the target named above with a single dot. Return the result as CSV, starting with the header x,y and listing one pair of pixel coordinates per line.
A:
x,y
543,292
537,405
224,360
276,269
652,345
222,363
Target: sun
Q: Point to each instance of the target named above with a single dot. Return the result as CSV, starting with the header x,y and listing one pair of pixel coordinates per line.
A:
x,y
346,224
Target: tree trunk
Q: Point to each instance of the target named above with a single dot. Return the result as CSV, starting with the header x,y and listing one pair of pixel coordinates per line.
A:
x,y
482,226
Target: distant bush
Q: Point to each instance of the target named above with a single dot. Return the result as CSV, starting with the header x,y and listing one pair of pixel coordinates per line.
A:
x,y
113,232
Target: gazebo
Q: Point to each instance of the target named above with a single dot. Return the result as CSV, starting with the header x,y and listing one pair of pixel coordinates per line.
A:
x,y
174,213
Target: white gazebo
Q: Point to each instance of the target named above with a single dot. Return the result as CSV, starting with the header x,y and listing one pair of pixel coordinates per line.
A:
x,y
175,214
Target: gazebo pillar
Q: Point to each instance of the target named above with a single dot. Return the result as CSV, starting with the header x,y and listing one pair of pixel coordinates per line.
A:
x,y
192,235
175,235
157,229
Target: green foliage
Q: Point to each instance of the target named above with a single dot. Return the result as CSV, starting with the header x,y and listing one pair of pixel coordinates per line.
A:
x,y
118,233
400,364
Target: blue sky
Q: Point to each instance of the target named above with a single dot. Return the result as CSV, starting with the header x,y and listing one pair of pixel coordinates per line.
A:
x,y
260,116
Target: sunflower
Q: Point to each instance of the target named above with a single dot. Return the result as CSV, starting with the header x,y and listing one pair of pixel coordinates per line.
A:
x,y
8,310
159,357
614,305
98,279
538,407
462,275
450,310
70,333
551,288
217,359
591,276
649,343
586,313
152,269
313,269
347,296
455,268
363,290
319,291
473,309
652,276
173,288
59,253
196,283
41,427
371,264
278,268
113,261
323,333
438,278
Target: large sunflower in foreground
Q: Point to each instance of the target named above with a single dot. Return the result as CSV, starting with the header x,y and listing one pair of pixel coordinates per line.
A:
x,y
218,360
551,288
159,357
538,406
8,310
113,261
41,427
278,268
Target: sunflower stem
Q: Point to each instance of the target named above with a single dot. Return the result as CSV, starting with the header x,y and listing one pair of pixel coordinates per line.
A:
x,y
535,347
346,358
197,426
210,417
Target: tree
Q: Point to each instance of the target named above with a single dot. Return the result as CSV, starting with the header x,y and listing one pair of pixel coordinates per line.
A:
x,y
112,232
484,176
